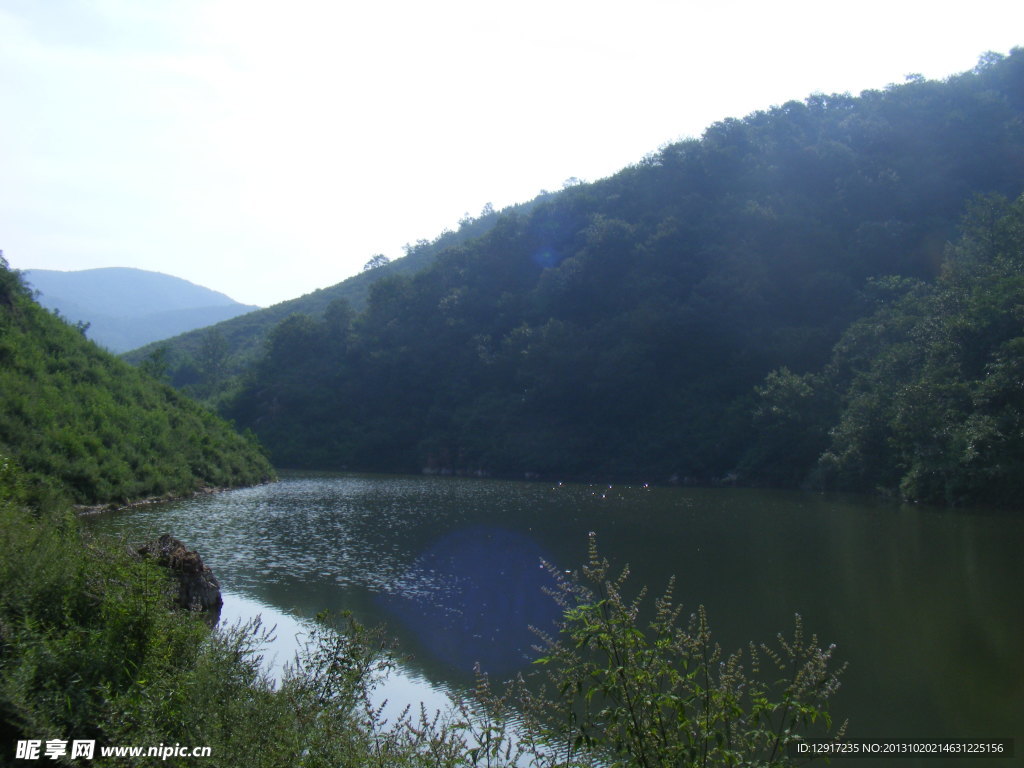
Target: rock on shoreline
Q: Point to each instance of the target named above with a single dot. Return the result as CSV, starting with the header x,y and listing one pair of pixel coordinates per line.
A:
x,y
198,588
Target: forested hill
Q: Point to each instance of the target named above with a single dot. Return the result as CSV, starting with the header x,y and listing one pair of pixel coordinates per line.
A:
x,y
622,328
87,427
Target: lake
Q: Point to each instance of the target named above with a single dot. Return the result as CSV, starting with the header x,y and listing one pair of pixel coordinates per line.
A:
x,y
925,604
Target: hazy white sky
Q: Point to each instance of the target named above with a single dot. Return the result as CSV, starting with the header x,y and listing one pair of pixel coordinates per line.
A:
x,y
266,149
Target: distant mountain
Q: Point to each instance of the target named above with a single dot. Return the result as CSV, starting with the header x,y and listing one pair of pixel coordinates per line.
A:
x,y
127,308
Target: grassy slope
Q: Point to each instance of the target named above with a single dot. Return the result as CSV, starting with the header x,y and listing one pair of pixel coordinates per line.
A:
x,y
90,427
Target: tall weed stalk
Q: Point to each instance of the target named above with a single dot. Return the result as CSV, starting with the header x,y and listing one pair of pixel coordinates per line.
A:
x,y
624,692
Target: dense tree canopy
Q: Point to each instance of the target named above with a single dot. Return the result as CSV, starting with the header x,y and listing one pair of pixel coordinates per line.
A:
x,y
924,396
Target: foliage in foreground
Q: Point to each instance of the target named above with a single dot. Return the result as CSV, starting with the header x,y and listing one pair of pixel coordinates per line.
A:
x,y
89,649
670,696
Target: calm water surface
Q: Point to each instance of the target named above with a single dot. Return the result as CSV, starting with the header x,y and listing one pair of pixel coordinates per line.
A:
x,y
926,605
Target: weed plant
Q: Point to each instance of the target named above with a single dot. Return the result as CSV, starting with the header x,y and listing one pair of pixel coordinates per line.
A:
x,y
619,694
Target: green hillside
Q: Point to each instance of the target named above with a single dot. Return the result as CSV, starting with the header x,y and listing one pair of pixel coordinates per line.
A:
x,y
87,426
622,328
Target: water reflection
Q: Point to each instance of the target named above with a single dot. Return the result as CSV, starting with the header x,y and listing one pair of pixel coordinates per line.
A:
x,y
925,604
289,635
288,632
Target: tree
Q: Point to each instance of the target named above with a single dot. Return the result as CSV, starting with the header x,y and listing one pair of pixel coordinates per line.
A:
x,y
377,261
157,363
211,359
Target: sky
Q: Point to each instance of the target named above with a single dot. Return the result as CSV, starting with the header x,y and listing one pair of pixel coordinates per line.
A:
x,y
267,149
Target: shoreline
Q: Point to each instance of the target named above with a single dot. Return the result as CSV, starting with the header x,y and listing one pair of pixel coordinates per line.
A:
x,y
83,510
